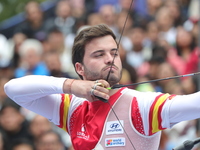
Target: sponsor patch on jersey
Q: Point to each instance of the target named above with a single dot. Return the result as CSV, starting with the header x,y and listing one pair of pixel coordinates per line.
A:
x,y
83,133
114,127
114,142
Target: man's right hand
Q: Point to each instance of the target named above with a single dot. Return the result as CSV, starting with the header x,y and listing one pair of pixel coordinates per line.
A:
x,y
87,89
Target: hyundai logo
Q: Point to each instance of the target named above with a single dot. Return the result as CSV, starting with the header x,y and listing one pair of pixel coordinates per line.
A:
x,y
114,126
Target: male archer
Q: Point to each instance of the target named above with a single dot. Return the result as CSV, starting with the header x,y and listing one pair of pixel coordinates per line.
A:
x,y
92,124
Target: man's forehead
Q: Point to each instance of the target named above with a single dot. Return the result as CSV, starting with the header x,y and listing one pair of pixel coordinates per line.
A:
x,y
104,50
101,43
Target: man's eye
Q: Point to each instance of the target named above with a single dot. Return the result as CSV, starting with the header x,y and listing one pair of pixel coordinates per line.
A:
x,y
115,54
98,55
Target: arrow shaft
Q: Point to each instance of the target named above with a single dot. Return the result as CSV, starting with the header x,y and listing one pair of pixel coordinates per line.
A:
x,y
156,80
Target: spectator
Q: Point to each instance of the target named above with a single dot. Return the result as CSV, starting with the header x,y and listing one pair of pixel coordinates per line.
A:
x,y
184,58
56,41
140,52
13,122
139,18
78,7
165,70
22,144
109,16
152,7
175,10
129,74
165,23
152,33
30,53
148,70
53,62
121,18
34,26
50,140
39,125
190,84
94,19
63,19
16,42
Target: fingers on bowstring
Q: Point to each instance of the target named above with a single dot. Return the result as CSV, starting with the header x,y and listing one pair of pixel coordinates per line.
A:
x,y
99,91
104,82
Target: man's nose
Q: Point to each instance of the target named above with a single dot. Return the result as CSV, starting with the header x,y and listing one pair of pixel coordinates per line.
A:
x,y
108,59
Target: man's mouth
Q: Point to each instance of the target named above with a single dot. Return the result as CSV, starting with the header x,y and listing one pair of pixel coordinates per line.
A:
x,y
110,68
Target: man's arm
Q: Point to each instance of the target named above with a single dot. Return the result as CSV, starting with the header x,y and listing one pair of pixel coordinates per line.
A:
x,y
160,111
184,107
40,94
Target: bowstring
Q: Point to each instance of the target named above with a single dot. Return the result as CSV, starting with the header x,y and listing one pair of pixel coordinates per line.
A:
x,y
119,40
121,125
111,70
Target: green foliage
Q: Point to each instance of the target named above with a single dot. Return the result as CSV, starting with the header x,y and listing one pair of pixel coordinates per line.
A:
x,y
9,8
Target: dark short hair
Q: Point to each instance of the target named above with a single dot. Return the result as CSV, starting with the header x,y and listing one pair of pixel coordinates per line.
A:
x,y
9,103
84,37
57,134
22,141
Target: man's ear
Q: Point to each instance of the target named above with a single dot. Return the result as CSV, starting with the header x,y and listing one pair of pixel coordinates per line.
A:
x,y
79,68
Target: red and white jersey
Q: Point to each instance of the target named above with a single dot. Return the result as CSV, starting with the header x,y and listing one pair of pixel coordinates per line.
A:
x,y
140,115
92,125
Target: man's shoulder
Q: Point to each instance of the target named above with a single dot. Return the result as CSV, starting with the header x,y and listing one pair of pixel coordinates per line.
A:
x,y
141,94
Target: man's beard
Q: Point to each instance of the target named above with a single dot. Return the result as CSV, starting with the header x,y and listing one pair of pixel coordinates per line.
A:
x,y
112,79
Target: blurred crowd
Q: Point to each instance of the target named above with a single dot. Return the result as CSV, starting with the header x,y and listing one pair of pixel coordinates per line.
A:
x,y
160,39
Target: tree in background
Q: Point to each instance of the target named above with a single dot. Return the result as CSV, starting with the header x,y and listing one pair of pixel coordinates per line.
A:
x,y
9,8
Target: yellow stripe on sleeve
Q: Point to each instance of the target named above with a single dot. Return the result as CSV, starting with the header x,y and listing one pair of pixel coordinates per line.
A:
x,y
155,120
65,113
